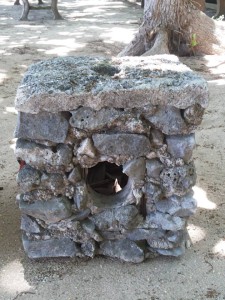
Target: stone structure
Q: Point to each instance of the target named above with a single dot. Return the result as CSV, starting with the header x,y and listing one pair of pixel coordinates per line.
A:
x,y
105,151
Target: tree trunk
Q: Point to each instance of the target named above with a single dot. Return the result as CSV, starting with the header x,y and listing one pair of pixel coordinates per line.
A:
x,y
178,27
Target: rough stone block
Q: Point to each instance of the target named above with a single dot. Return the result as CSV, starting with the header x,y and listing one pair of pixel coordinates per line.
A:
x,y
42,126
29,224
168,119
28,178
178,180
123,249
65,84
122,144
181,146
50,211
63,247
43,157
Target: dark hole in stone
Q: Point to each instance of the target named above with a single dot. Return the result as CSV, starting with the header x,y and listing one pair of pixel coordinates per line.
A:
x,y
107,178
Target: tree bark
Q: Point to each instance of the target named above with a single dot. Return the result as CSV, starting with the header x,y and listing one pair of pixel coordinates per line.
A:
x,y
178,27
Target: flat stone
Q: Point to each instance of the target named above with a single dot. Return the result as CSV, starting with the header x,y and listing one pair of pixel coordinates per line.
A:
x,y
28,178
178,180
181,146
139,234
119,218
135,170
50,211
29,225
122,144
154,168
172,252
164,221
184,206
43,157
43,126
124,249
88,119
66,83
168,119
63,247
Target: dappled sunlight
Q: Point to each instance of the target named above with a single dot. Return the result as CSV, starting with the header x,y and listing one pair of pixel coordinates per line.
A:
x,y
219,248
202,200
118,34
10,109
12,278
196,233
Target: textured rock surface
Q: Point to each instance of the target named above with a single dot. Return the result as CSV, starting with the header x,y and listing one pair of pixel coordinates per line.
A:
x,y
121,144
100,82
50,211
43,126
123,249
105,151
180,146
50,248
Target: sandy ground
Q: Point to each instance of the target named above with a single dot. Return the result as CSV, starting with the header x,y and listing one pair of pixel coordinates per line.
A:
x,y
103,27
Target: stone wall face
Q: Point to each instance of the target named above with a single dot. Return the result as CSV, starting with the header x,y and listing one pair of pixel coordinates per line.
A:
x,y
105,148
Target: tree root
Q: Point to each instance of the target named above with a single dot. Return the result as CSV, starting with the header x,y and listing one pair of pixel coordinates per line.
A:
x,y
160,45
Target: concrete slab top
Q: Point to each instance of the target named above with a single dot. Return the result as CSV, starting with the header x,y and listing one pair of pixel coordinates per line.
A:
x,y
65,83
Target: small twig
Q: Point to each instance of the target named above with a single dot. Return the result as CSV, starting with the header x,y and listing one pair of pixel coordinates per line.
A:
x,y
24,293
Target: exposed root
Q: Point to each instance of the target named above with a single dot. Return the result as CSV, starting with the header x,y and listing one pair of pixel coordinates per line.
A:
x,y
160,45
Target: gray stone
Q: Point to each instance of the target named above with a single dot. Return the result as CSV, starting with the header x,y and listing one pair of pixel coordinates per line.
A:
x,y
43,157
178,180
32,196
156,137
153,194
29,225
57,184
194,114
178,206
172,252
43,126
28,178
168,119
66,83
89,248
111,235
50,211
122,144
164,221
168,205
75,175
154,168
89,226
160,243
80,197
181,146
63,247
115,219
125,250
135,170
177,237
139,234
91,120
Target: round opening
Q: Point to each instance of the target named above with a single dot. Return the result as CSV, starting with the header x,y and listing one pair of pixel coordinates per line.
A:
x,y
107,178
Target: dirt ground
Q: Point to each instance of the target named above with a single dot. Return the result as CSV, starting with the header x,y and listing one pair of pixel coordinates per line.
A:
x,y
103,27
